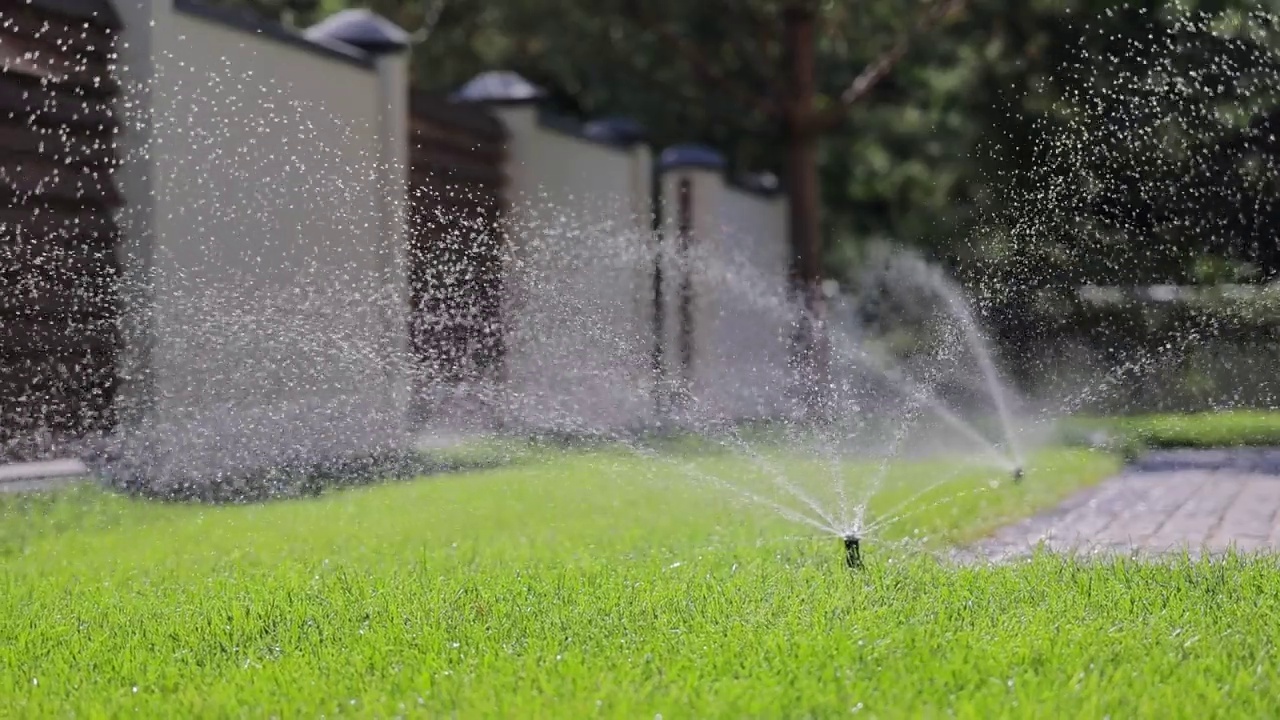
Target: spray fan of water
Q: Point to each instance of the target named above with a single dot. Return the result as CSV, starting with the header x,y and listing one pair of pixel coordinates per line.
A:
x,y
1162,137
824,476
590,339
577,324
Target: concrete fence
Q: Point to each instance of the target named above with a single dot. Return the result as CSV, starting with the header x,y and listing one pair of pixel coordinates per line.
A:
x,y
457,187
58,322
292,217
610,324
578,282
727,316
265,184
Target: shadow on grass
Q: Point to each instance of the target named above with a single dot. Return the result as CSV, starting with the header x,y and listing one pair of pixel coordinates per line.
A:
x,y
704,438
301,480
129,477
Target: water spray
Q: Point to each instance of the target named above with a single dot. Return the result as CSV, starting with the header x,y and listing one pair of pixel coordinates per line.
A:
x,y
853,551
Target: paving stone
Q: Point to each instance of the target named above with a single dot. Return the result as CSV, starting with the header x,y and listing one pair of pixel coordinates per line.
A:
x,y
1241,543
26,471
1155,498
42,475
1192,524
1253,513
1175,502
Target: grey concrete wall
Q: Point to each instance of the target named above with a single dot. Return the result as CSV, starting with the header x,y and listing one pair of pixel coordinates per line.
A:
x,y
143,22
754,318
578,286
275,240
742,317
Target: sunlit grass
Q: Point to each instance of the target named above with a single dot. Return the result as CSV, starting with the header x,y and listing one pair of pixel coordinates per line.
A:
x,y
1209,429
603,584
1228,428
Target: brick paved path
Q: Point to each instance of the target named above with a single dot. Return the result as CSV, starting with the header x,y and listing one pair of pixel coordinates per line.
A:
x,y
1198,501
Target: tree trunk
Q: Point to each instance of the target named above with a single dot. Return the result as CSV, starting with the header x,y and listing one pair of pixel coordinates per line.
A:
x,y
809,352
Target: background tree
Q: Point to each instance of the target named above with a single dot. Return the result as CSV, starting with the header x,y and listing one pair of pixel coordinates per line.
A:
x,y
1006,138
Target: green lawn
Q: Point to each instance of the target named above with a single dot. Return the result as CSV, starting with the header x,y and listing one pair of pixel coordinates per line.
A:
x,y
1230,428
598,584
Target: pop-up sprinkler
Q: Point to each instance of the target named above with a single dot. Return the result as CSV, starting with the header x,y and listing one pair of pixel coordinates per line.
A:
x,y
852,552
1017,474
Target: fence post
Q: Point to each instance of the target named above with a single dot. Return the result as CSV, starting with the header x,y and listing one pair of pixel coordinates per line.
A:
x,y
628,133
762,321
515,101
692,181
137,177
579,354
388,45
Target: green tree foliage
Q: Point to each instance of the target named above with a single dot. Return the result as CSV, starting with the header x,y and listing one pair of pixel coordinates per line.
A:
x,y
709,72
961,150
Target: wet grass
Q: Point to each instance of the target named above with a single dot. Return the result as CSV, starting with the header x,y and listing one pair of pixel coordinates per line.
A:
x,y
597,584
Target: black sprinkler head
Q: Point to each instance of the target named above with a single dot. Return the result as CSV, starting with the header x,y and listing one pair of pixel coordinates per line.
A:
x,y
852,552
1017,474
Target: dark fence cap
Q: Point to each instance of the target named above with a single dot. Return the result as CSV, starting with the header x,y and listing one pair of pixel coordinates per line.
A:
x,y
692,156
616,131
499,86
362,29
94,12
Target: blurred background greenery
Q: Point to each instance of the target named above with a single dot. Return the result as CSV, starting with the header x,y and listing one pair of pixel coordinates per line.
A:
x,y
1033,147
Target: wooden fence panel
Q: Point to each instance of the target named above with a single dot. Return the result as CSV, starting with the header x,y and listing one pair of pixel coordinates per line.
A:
x,y
456,189
58,239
